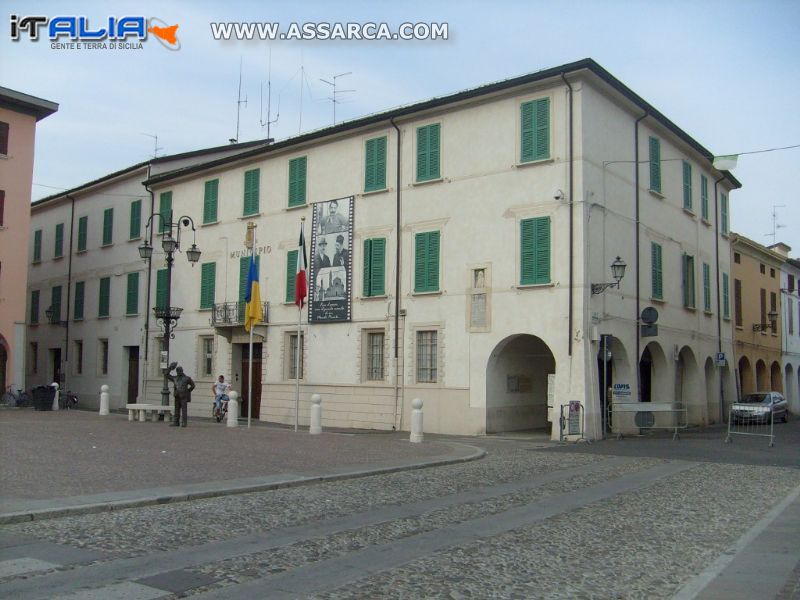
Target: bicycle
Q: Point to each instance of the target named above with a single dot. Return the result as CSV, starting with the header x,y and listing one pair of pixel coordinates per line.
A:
x,y
67,400
221,412
20,398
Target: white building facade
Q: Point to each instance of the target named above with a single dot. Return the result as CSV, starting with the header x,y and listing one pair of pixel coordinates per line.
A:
x,y
790,322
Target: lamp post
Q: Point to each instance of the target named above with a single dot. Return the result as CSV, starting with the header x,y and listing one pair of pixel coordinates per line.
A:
x,y
617,272
772,316
167,314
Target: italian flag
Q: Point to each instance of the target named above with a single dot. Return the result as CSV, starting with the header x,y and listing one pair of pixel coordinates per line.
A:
x,y
300,283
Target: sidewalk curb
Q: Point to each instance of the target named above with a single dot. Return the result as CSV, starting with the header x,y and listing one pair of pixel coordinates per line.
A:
x,y
218,488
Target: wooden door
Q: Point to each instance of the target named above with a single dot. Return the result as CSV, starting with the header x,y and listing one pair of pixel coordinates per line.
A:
x,y
256,380
133,374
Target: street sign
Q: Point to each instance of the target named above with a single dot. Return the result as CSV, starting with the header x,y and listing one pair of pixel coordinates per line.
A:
x,y
649,315
721,361
649,330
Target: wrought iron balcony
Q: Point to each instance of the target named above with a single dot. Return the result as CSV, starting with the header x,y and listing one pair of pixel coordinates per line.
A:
x,y
231,314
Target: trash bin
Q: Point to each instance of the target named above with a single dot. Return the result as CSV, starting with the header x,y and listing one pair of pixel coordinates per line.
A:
x,y
43,396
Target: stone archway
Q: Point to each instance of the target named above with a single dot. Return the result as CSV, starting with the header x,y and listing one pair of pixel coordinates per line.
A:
x,y
688,390
712,391
775,379
517,383
762,376
747,382
654,374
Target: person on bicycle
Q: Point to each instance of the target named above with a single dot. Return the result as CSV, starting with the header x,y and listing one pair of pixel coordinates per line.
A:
x,y
220,390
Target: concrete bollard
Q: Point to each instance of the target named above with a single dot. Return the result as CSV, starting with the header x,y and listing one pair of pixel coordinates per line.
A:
x,y
233,410
104,396
315,427
55,386
416,421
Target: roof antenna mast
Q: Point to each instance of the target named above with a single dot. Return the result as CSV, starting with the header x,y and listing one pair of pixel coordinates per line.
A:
x,y
239,103
775,225
156,147
334,100
270,121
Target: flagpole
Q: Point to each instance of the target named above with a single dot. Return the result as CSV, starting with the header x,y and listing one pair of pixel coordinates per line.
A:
x,y
297,353
252,227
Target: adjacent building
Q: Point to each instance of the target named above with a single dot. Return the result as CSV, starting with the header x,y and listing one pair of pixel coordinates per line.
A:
x,y
790,320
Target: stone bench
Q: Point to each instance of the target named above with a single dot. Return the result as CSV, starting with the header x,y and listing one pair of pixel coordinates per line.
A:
x,y
144,409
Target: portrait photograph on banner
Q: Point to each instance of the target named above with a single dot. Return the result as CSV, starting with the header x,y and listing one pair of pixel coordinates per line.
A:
x,y
331,265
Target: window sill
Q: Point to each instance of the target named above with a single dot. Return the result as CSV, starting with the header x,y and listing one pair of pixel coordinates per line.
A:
x,y
37,262
690,308
135,239
33,324
657,300
205,309
383,190
77,319
57,258
533,286
210,223
251,216
738,327
656,193
131,315
530,163
708,313
103,317
728,319
724,234
689,212
379,297
705,222
107,245
427,181
296,207
433,293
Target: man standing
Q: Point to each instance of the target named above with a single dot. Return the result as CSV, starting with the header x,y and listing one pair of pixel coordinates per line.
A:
x,y
321,259
183,394
334,222
342,256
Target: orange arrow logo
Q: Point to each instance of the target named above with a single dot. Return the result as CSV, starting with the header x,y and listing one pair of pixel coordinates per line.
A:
x,y
165,33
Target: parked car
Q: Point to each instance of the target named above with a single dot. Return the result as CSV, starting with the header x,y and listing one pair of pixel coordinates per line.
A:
x,y
759,406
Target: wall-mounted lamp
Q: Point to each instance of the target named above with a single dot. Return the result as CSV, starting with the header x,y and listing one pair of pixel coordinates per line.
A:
x,y
53,318
773,320
617,272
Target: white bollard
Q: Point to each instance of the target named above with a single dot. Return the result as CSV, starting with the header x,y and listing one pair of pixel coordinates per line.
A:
x,y
315,427
416,421
233,410
104,395
55,386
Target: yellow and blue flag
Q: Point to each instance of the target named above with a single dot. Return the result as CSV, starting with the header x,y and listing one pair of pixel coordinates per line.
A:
x,y
253,313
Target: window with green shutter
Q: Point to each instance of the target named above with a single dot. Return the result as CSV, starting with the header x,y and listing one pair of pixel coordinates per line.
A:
x,y
291,274
108,226
687,186
161,288
706,287
726,297
655,164
55,302
83,232
37,246
210,196
135,230
104,302
656,272
132,294
704,197
251,184
58,246
688,281
426,262
34,307
374,267
428,153
723,209
375,164
80,290
208,282
244,269
535,130
297,181
165,210
534,241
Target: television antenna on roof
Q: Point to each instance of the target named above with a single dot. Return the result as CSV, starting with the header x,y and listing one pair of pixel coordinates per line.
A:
x,y
156,147
775,225
239,103
270,121
334,100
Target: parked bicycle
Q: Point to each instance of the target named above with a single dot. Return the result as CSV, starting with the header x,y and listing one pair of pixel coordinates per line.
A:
x,y
19,398
67,400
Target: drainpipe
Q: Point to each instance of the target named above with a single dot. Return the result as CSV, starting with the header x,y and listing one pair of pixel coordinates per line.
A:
x,y
638,298
571,219
149,279
69,287
719,315
397,373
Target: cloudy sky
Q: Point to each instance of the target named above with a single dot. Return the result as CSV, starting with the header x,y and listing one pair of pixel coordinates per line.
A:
x,y
726,72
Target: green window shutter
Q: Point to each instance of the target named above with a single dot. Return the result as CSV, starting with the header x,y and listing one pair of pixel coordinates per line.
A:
x,y
208,279
83,230
535,130
34,307
688,281
726,307
251,183
136,220
165,210
80,289
374,267
132,296
210,196
428,152
706,287
244,269
37,246
375,164
55,302
723,209
291,274
656,272
704,197
108,226
58,249
535,251
161,288
655,164
687,186
297,181
104,302
426,262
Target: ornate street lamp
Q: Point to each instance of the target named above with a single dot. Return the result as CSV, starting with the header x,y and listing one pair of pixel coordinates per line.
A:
x,y
617,272
53,318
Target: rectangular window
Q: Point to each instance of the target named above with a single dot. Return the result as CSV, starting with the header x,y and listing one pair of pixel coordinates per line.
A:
x,y
210,197
103,357
773,307
208,281
772,272
763,299
297,181
207,352
104,300
534,251
135,229
374,351
3,138
108,226
55,303
688,281
426,262
655,164
58,247
790,312
37,246
34,357
161,288
763,269
656,272
704,197
375,164
291,274
706,287
165,210
251,184
78,357
723,217
737,302
374,267
726,296
132,295
428,153
244,269
791,284
83,231
535,130
737,258
292,358
34,307
687,186
427,356
80,288
2,207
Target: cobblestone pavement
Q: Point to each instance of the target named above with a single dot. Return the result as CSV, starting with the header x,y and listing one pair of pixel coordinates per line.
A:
x,y
523,522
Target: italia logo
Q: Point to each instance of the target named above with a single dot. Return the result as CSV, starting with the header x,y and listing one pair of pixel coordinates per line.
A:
x,y
113,30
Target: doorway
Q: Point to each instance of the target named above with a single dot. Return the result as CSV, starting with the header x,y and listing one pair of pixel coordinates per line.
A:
x,y
256,401
133,374
55,364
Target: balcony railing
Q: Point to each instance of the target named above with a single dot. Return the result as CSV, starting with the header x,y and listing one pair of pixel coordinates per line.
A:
x,y
231,314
